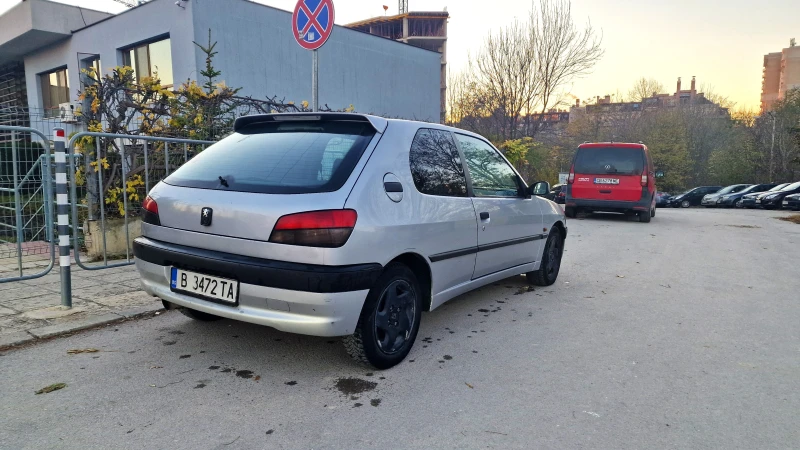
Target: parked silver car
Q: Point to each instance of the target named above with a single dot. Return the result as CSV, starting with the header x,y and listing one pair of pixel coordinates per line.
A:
x,y
343,225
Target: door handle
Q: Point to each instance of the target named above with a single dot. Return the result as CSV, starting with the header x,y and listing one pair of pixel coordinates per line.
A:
x,y
484,216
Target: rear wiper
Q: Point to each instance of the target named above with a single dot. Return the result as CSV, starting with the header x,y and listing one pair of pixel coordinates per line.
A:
x,y
223,182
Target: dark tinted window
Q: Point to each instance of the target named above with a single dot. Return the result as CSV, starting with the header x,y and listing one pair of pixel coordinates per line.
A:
x,y
490,173
612,160
436,165
279,158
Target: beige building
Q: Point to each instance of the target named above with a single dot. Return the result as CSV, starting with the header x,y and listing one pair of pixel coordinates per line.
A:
x,y
781,74
424,29
609,111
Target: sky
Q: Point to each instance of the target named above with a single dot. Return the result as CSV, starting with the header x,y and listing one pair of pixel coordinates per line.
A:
x,y
721,42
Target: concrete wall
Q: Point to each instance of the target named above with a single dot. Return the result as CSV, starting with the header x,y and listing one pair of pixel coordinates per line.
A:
x,y
258,52
156,18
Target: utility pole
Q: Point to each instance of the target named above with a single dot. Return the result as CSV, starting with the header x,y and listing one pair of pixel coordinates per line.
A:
x,y
772,148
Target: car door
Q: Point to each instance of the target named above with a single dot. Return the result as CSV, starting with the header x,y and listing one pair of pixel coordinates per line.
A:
x,y
444,220
510,229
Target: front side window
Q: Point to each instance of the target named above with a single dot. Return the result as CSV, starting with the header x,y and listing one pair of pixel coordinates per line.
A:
x,y
436,165
55,91
150,60
279,158
490,173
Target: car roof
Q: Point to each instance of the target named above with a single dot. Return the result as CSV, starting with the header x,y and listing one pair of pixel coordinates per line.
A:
x,y
611,144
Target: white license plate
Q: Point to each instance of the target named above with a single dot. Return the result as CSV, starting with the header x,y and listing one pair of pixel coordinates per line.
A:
x,y
206,286
606,181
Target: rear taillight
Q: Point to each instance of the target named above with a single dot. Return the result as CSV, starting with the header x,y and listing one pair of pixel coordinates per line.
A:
x,y
644,178
315,229
150,211
571,178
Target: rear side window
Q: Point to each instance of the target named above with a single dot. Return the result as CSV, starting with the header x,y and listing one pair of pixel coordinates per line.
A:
x,y
279,158
610,160
436,164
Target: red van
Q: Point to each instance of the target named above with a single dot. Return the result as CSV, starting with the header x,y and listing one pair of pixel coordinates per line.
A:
x,y
612,177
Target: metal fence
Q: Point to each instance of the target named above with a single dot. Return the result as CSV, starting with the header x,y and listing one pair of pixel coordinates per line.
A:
x,y
26,231
143,162
107,175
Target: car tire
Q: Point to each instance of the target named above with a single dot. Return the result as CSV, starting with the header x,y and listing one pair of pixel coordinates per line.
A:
x,y
570,212
386,313
551,261
738,204
686,204
653,212
199,315
645,216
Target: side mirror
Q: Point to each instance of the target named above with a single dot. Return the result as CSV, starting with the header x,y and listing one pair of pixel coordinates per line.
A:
x,y
540,189
659,174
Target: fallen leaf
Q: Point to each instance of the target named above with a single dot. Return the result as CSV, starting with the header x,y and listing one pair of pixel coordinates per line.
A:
x,y
51,388
75,351
620,276
258,377
603,292
469,385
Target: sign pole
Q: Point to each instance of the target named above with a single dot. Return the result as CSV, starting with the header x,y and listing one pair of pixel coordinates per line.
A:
x,y
315,80
313,22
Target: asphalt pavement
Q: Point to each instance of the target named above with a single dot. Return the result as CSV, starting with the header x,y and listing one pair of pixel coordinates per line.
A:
x,y
681,333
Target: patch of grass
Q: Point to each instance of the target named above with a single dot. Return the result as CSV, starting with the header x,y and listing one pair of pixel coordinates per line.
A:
x,y
795,218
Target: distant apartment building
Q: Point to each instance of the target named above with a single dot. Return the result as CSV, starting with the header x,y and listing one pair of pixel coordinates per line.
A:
x,y
424,29
781,74
605,109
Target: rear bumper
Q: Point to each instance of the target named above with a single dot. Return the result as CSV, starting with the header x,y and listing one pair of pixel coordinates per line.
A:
x,y
608,205
296,298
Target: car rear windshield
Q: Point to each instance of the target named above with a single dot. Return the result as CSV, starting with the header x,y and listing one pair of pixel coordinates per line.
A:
x,y
279,158
609,160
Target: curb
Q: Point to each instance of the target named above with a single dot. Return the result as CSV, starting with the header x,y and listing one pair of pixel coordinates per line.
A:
x,y
21,338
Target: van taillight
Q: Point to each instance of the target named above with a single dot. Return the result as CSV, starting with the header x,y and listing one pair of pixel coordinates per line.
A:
x,y
315,229
644,179
571,178
150,211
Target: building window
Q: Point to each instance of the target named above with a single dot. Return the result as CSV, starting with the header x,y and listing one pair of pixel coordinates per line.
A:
x,y
149,60
55,90
89,65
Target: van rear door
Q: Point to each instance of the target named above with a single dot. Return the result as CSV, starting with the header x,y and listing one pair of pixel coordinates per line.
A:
x,y
606,172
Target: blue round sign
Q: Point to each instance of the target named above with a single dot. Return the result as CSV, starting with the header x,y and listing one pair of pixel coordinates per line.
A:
x,y
312,22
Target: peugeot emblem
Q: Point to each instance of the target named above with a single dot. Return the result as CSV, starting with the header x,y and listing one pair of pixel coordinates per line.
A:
x,y
206,214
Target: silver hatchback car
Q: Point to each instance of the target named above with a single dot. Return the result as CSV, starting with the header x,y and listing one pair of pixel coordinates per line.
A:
x,y
350,225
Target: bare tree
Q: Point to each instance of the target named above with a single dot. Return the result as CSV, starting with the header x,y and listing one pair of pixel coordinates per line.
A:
x,y
563,52
505,67
644,88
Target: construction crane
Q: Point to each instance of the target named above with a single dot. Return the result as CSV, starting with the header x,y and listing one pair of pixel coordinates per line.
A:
x,y
403,6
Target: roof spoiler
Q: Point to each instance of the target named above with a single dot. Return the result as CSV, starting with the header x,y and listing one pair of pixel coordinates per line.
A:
x,y
378,123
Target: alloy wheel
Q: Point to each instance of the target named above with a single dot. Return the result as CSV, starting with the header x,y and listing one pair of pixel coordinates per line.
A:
x,y
394,316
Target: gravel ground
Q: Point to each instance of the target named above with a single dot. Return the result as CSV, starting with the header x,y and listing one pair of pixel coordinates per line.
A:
x,y
681,333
